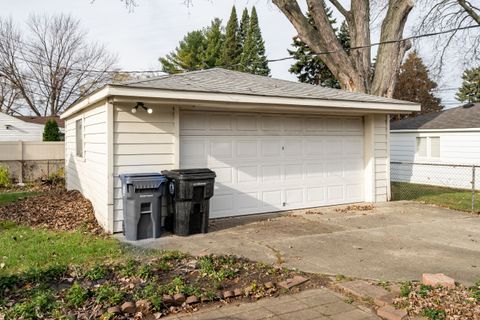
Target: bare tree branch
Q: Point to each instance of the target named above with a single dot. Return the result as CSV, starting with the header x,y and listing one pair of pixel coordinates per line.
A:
x,y
53,64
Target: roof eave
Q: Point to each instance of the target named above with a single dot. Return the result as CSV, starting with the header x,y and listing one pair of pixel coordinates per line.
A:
x,y
139,92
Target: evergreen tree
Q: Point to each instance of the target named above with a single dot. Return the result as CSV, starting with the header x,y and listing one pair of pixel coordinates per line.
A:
x,y
253,58
310,68
244,25
51,132
188,56
470,89
231,50
214,40
415,85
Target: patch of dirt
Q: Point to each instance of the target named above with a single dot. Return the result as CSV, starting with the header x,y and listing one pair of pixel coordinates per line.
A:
x,y
55,209
153,285
367,207
442,303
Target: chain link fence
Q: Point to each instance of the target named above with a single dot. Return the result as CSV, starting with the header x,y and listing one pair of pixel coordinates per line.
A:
x,y
456,186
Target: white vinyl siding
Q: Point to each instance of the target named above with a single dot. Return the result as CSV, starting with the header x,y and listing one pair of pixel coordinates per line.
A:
x,y
88,174
142,142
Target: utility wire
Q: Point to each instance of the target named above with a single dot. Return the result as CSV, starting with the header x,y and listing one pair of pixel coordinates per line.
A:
x,y
116,71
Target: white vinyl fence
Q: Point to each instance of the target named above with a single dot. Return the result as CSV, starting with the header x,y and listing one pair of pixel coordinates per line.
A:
x,y
29,161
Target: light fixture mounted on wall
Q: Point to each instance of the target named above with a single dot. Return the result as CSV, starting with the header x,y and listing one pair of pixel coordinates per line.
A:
x,y
142,105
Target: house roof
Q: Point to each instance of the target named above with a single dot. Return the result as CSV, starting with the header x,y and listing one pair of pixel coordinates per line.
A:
x,y
218,80
463,117
225,88
42,120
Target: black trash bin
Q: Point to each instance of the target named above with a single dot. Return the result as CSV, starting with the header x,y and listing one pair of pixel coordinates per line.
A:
x,y
190,191
142,204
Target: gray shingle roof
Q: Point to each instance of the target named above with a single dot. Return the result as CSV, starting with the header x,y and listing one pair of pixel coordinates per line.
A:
x,y
455,118
219,80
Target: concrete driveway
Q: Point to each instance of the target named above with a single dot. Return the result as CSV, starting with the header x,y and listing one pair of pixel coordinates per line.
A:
x,y
393,241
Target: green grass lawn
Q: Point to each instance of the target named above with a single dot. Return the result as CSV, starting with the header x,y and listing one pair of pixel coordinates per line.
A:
x,y
23,248
458,199
7,197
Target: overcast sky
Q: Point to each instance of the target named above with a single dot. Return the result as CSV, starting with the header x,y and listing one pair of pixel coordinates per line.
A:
x,y
154,28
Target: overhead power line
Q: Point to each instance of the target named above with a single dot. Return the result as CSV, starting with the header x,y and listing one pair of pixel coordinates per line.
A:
x,y
375,44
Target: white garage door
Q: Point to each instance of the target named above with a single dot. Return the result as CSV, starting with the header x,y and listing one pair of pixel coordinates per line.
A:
x,y
268,163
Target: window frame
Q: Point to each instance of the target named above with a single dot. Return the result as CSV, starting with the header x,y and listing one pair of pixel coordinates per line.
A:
x,y
428,147
80,153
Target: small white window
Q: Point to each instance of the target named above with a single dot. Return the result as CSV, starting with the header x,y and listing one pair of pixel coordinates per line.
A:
x,y
421,147
79,137
435,147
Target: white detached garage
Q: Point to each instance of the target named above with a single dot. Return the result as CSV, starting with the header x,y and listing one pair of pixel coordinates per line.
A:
x,y
274,144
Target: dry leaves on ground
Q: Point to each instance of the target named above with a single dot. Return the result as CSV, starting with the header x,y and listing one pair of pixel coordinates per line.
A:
x,y
349,208
457,303
56,209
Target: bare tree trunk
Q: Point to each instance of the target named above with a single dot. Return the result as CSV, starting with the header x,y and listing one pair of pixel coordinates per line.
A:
x,y
390,56
469,9
353,70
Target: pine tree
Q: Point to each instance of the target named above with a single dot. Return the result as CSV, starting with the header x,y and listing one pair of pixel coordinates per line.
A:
x,y
244,25
310,68
470,89
231,50
415,85
51,132
253,58
188,56
214,40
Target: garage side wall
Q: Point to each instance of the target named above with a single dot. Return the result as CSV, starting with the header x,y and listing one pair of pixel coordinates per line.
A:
x,y
381,154
142,142
89,174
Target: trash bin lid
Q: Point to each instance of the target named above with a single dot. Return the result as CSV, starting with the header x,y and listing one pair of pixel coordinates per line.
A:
x,y
143,180
190,174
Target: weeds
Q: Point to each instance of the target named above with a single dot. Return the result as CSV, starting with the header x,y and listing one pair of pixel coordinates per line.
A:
x,y
76,295
405,289
96,273
424,290
151,292
434,314
39,304
108,295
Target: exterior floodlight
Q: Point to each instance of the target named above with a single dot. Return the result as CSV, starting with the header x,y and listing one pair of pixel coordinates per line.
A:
x,y
142,105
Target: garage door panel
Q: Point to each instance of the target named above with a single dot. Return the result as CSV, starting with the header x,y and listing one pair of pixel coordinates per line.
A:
x,y
335,193
247,174
268,162
247,149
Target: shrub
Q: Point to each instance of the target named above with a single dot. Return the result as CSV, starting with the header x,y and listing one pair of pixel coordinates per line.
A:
x,y
76,295
51,132
5,180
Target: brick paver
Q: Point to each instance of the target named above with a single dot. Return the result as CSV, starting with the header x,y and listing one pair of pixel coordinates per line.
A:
x,y
317,304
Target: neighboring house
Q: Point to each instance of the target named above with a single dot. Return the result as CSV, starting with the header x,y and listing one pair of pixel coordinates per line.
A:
x,y
449,137
274,144
24,128
14,129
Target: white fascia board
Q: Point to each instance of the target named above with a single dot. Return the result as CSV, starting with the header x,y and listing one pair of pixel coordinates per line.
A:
x,y
435,130
93,98
114,90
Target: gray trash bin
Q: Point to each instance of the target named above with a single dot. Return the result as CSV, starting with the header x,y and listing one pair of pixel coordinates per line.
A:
x,y
142,204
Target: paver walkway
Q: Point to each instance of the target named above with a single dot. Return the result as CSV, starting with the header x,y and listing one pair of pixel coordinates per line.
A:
x,y
306,305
